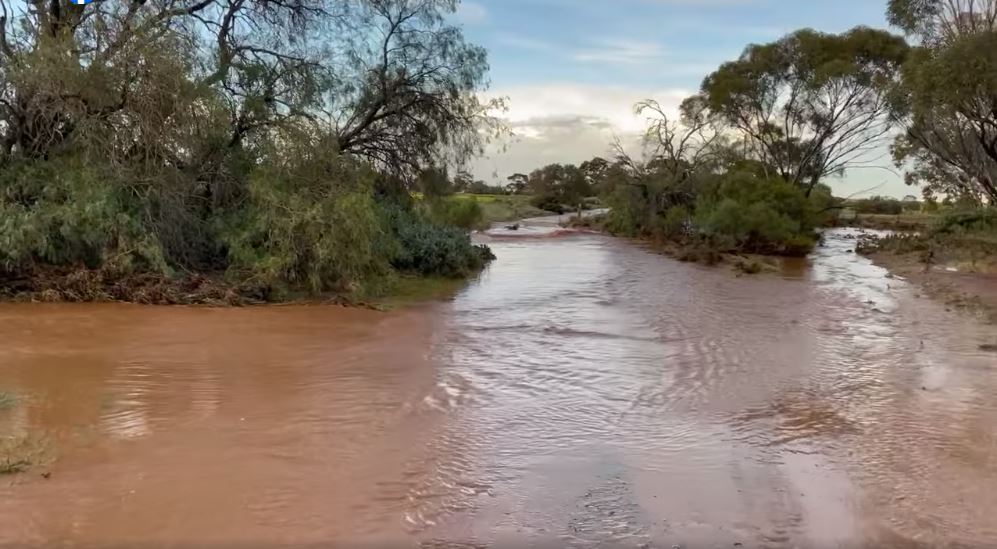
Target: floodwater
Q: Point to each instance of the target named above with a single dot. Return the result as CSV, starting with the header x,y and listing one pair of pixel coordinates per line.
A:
x,y
583,392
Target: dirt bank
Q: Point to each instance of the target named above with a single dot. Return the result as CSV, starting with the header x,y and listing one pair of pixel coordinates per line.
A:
x,y
972,291
79,284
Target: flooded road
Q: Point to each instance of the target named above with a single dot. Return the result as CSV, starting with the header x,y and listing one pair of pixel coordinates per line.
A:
x,y
582,392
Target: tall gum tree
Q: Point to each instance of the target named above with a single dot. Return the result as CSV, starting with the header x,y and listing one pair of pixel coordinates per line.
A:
x,y
811,104
389,81
947,99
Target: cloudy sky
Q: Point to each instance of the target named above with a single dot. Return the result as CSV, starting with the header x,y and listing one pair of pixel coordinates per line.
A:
x,y
572,69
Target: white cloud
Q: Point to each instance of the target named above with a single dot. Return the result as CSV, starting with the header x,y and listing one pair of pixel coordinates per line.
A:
x,y
612,105
621,51
567,123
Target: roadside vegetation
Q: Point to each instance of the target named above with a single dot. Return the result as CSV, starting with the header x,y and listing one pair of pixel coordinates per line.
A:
x,y
223,151
7,400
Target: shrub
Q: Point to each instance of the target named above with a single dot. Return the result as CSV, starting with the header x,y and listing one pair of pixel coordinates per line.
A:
x,y
627,211
983,220
548,203
464,213
305,220
878,205
65,212
433,250
676,224
758,215
298,231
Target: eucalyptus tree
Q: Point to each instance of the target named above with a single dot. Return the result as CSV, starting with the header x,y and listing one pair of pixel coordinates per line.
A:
x,y
811,104
948,97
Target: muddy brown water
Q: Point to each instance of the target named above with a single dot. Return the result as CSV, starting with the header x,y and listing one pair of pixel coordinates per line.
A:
x,y
582,392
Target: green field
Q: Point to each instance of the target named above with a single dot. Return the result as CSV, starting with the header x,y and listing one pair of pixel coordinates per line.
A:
x,y
499,208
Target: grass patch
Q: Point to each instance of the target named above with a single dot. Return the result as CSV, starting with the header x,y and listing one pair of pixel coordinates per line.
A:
x,y
964,239
410,290
19,454
7,400
500,208
749,266
8,467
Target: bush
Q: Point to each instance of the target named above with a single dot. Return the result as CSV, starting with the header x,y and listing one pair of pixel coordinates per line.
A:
x,y
433,250
627,211
881,205
676,224
308,222
309,225
757,215
983,220
548,203
464,213
65,212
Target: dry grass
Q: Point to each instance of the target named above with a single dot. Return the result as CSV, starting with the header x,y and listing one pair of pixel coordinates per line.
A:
x,y
19,454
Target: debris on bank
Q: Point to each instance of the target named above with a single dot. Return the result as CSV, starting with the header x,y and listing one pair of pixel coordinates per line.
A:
x,y
53,285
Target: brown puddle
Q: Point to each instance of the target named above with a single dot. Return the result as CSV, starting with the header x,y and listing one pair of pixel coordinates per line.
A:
x,y
582,392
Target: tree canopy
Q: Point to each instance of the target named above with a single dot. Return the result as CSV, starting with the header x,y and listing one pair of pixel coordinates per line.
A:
x,y
387,80
939,21
948,97
812,103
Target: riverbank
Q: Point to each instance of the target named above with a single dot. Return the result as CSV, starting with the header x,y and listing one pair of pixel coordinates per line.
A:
x,y
59,285
961,285
953,259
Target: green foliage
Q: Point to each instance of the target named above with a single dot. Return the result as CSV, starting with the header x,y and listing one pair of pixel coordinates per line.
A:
x,y
7,400
628,211
878,205
938,21
983,221
559,187
548,203
480,187
757,215
434,250
66,212
710,213
503,208
810,103
434,182
946,98
457,212
964,236
160,142
298,231
676,223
